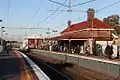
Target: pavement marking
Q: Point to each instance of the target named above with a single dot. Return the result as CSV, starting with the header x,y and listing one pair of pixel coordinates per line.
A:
x,y
25,74
28,74
39,73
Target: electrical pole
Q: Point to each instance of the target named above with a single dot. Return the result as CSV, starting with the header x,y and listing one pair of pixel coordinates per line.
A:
x,y
2,35
70,6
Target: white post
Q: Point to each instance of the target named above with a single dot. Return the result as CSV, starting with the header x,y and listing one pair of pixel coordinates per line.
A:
x,y
1,33
1,50
70,5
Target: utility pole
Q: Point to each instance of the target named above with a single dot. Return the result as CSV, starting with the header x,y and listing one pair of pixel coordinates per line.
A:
x,y
2,35
48,33
69,6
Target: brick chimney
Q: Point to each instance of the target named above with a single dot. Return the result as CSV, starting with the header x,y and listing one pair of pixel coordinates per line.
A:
x,y
90,14
90,17
69,23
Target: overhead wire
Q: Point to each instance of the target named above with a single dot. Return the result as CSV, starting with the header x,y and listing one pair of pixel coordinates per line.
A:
x,y
58,14
62,4
83,3
8,9
37,10
35,13
103,8
110,5
76,19
52,13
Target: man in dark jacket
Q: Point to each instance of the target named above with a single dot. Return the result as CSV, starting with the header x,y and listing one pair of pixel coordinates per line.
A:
x,y
109,51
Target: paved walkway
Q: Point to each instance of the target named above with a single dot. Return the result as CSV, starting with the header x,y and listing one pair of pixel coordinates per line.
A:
x,y
14,66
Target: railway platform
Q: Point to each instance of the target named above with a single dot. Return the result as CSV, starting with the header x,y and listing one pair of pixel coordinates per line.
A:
x,y
17,66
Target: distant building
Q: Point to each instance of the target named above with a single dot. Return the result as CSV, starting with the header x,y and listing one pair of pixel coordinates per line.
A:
x,y
33,41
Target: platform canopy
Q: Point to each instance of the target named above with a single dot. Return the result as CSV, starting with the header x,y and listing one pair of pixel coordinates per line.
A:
x,y
84,35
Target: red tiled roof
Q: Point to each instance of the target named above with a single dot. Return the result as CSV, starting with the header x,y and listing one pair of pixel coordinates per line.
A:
x,y
82,25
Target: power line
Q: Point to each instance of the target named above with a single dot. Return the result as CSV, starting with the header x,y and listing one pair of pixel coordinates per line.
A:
x,y
70,5
52,13
108,6
83,3
37,10
72,21
59,3
8,9
76,19
99,9
63,4
25,28
58,14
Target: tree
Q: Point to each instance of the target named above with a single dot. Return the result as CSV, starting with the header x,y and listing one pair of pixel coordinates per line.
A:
x,y
113,20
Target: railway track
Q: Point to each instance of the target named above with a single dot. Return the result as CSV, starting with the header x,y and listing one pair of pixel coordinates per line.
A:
x,y
78,73
49,69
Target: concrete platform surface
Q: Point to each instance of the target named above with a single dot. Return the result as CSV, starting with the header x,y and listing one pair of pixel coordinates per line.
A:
x,y
15,66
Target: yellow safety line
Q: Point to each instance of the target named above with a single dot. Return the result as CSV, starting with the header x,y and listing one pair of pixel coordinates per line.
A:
x,y
26,75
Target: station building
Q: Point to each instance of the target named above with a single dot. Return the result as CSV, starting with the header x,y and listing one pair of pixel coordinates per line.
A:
x,y
84,33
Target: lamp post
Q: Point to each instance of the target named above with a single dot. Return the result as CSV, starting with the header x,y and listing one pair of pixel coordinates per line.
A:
x,y
54,31
2,35
48,34
6,34
1,28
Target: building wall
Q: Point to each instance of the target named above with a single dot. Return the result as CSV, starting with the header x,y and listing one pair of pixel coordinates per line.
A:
x,y
35,43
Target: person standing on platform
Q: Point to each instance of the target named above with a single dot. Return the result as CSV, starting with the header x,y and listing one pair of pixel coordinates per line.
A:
x,y
109,51
78,49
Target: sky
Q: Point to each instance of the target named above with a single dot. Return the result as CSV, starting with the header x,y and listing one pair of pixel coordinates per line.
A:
x,y
33,13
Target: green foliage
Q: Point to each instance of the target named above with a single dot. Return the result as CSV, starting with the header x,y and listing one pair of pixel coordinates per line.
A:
x,y
113,20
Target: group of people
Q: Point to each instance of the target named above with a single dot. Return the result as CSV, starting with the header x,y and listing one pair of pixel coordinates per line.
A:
x,y
54,47
7,47
61,48
96,49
